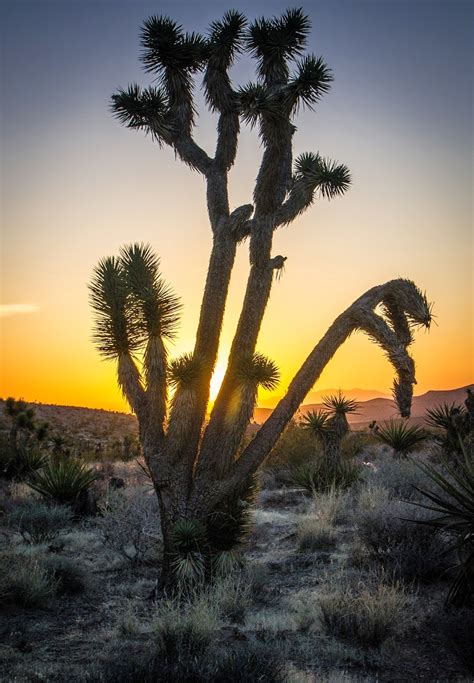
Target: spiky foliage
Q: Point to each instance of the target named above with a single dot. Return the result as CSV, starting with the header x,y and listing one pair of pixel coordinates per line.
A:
x,y
315,173
63,481
144,109
224,43
183,372
322,475
258,371
338,404
400,436
189,552
453,500
316,422
274,41
451,425
116,330
229,524
310,82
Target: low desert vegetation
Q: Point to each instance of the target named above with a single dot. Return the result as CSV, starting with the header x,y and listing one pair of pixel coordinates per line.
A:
x,y
327,580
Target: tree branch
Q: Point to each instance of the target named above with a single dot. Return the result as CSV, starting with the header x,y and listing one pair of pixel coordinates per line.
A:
x,y
360,315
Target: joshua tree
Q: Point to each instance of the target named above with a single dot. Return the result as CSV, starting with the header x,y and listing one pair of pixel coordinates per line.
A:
x,y
198,467
330,426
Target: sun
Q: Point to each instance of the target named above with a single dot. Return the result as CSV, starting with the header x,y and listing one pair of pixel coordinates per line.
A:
x,y
216,380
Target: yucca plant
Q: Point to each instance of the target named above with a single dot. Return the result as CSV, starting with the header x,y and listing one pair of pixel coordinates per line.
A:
x,y
199,464
62,481
454,502
330,426
450,422
400,436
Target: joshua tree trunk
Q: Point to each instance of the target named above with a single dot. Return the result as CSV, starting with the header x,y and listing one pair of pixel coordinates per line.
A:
x,y
200,469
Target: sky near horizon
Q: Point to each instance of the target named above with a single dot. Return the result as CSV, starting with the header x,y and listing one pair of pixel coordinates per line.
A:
x,y
76,185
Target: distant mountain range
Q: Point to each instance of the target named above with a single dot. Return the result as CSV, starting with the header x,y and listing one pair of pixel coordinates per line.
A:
x,y
105,425
317,396
381,409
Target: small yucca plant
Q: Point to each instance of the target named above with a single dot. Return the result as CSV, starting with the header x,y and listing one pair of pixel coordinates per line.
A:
x,y
316,422
449,421
403,438
338,404
454,501
63,481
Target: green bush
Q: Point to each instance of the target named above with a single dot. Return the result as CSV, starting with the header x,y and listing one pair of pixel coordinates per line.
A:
x,y
38,522
63,481
321,476
294,447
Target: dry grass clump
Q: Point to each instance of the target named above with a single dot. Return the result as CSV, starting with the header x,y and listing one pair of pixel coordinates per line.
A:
x,y
69,575
38,522
367,613
407,550
316,531
25,581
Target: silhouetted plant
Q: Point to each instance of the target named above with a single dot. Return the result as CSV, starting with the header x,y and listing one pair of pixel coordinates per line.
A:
x,y
62,481
450,423
196,465
400,436
454,503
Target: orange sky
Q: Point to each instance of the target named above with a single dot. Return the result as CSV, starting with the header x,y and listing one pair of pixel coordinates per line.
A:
x,y
76,186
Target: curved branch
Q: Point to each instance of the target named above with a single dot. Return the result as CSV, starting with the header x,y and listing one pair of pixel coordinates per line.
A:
x,y
359,316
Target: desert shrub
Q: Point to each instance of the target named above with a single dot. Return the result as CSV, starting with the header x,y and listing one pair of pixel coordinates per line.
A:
x,y
450,422
316,530
63,481
294,447
355,443
400,436
186,627
21,463
321,476
24,581
399,477
451,498
458,629
233,597
38,522
129,523
247,662
366,613
69,576
407,551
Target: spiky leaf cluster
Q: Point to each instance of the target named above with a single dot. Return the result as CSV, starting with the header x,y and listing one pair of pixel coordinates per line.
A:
x,y
402,437
338,404
316,422
257,370
131,302
454,502
275,41
144,109
183,372
174,57
157,307
116,332
328,177
224,43
311,80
